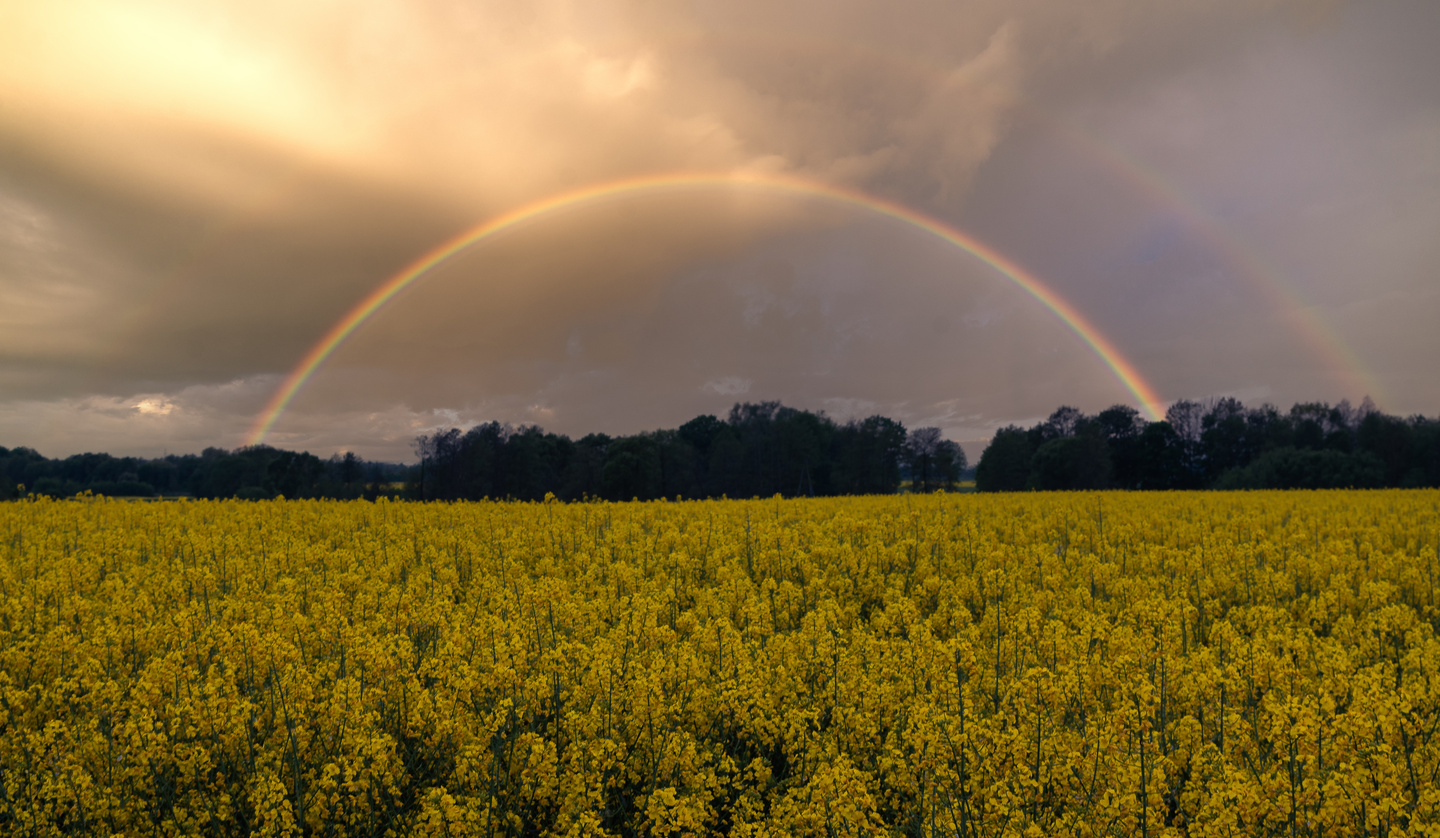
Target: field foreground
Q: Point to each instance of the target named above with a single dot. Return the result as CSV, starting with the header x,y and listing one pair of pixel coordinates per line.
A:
x,y
1079,664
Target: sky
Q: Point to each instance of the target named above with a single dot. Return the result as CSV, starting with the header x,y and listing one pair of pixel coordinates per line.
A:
x,y
958,214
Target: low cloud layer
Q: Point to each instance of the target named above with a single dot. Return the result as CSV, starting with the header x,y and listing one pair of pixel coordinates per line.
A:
x,y
1241,196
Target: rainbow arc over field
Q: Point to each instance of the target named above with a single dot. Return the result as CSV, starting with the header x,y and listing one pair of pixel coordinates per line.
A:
x,y
1148,400
1304,318
1340,359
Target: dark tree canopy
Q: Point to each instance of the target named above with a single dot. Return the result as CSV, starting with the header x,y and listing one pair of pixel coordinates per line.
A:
x,y
765,448
1219,444
254,472
1005,464
759,449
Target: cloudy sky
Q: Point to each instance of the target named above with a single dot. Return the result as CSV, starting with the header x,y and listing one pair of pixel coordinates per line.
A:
x,y
1241,197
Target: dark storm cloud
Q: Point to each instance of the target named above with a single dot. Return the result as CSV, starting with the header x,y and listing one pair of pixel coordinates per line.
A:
x,y
190,194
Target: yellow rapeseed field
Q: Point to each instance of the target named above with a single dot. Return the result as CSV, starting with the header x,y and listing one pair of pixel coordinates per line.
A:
x,y
961,665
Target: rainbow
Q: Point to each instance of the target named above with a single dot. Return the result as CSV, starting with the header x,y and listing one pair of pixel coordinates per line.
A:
x,y
1123,369
1304,319
1337,355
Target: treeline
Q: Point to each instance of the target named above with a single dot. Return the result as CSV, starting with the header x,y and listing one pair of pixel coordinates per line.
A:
x,y
760,449
766,449
1218,444
255,472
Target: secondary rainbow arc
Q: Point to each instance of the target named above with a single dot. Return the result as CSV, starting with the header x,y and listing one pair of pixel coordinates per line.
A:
x,y
1127,373
1339,357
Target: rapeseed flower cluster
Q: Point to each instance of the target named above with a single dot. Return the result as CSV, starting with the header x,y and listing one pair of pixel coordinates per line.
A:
x,y
1081,664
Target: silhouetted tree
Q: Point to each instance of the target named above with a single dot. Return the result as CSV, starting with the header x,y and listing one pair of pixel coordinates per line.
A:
x,y
1005,463
867,456
1391,440
1186,420
804,440
1319,426
1292,468
632,469
1163,459
292,475
532,463
1424,453
950,464
725,469
934,463
585,470
1225,442
1081,461
1065,421
1121,425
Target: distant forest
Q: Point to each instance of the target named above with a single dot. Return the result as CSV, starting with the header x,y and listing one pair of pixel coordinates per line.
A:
x,y
1217,444
254,473
766,449
759,449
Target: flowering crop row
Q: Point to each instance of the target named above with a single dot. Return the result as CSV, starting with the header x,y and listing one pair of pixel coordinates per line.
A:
x,y
1082,664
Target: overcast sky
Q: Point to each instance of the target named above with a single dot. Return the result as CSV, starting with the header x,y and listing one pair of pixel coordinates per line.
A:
x,y
1242,196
